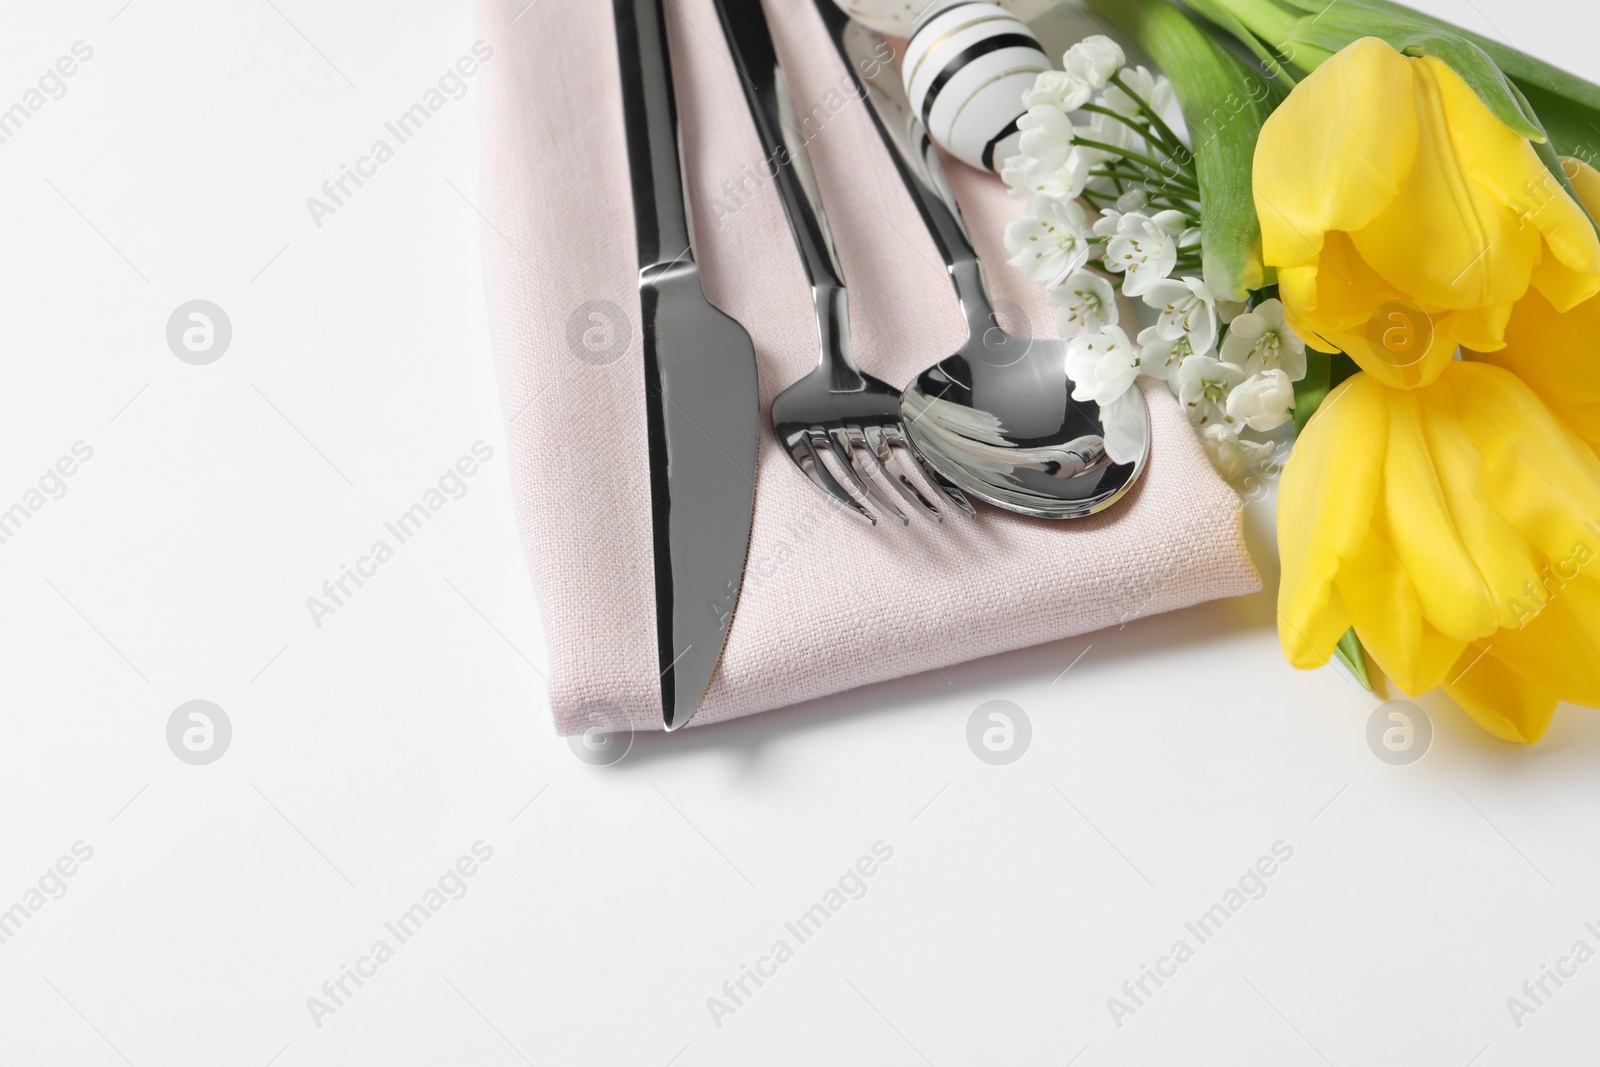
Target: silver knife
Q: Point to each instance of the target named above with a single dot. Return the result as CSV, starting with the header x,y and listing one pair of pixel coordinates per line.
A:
x,y
702,411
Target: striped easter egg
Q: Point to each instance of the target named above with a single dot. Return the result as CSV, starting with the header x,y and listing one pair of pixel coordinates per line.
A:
x,y
896,17
966,67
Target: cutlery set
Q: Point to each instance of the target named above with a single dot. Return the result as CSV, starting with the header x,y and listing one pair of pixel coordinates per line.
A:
x,y
994,421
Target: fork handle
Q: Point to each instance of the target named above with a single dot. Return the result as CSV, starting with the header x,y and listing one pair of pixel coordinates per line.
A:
x,y
866,53
650,119
783,139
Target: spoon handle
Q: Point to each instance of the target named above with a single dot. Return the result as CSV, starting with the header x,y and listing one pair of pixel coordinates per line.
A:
x,y
869,57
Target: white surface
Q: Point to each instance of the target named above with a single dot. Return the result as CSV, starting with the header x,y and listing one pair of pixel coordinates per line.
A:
x,y
369,754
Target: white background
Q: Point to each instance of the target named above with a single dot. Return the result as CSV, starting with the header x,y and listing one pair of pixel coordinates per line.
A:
x,y
370,753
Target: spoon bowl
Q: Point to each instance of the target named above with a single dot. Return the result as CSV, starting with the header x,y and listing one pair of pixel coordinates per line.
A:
x,y
1010,433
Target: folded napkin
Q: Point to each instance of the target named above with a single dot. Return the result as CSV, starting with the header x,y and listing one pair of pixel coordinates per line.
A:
x,y
828,603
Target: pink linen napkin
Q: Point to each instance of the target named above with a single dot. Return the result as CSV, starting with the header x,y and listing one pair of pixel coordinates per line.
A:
x,y
828,603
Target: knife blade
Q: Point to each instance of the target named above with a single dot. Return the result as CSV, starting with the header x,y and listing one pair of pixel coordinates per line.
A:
x,y
701,405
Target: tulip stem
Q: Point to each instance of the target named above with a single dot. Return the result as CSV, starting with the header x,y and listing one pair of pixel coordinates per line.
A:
x,y
1270,23
1166,131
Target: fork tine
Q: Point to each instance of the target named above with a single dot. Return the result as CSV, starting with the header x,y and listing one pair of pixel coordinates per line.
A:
x,y
889,467
846,440
896,436
805,457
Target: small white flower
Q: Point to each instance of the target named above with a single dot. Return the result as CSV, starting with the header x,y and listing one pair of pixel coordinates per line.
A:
x,y
1015,173
1187,310
1260,340
1047,137
1106,225
1084,303
1105,130
1230,454
1101,365
1094,59
1160,357
1051,244
1154,91
1228,310
1133,200
1263,401
1066,182
1203,385
1047,162
1171,221
1127,427
1058,89
1143,250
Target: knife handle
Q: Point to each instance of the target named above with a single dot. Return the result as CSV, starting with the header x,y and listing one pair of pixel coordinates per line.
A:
x,y
783,138
650,118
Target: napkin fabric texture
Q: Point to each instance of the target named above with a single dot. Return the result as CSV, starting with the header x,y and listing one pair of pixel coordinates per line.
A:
x,y
828,603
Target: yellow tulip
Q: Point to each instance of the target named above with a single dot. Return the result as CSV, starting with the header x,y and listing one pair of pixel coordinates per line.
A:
x,y
1404,218
1456,527
1557,354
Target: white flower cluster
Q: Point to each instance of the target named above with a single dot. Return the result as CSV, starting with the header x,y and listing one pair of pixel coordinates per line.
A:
x,y
1095,133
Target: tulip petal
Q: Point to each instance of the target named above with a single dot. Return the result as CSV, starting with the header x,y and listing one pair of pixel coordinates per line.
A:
x,y
1346,306
1421,525
1539,476
1389,618
1562,285
1509,168
1551,350
1387,188
1501,555
1456,518
1555,355
1340,126
1448,238
1510,705
1557,641
1326,498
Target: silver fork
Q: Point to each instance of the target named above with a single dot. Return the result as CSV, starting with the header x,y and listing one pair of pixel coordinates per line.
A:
x,y
836,412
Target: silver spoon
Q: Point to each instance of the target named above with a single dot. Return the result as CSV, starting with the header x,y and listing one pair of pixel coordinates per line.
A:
x,y
997,417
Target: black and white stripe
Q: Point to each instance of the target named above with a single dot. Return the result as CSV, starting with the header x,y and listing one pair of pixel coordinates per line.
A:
x,y
966,67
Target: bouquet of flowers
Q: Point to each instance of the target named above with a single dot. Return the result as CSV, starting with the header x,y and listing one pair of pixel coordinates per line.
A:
x,y
1370,235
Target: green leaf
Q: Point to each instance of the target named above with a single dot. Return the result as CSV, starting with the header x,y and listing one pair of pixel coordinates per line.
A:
x,y
1321,35
1224,103
1310,390
1226,20
1482,77
1520,66
1573,127
1352,655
